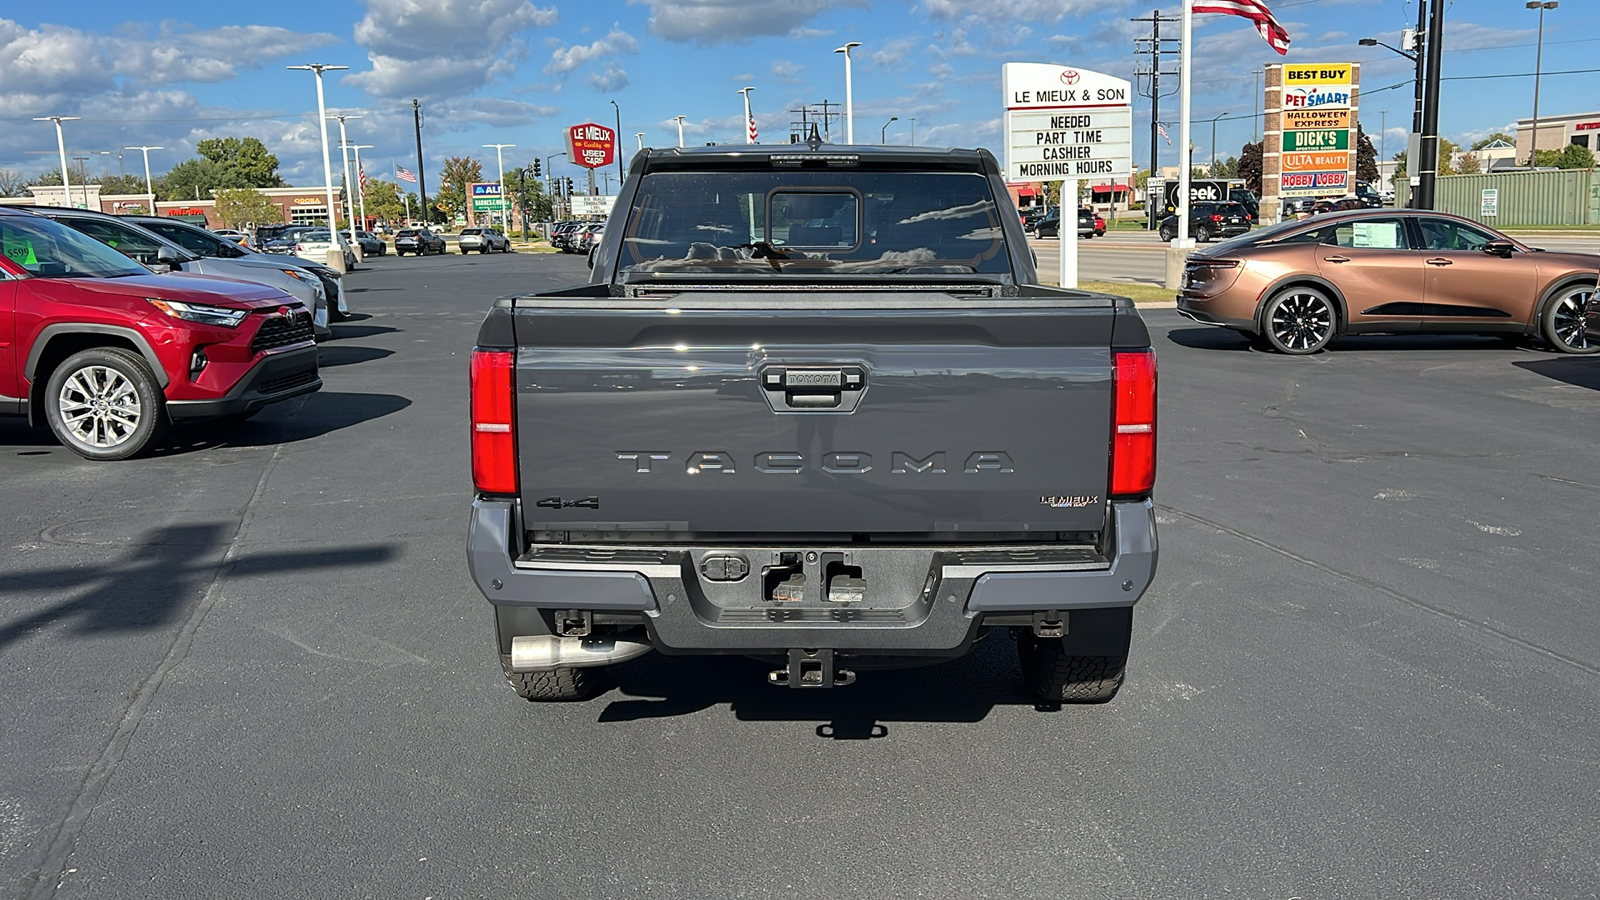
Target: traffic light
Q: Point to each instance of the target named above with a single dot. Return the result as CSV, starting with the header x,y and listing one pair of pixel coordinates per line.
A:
x,y
569,185
536,168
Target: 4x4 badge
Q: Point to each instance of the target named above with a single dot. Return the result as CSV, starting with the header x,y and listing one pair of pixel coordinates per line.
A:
x,y
558,503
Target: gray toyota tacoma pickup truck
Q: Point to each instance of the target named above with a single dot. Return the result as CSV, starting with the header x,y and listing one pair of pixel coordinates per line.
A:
x,y
812,407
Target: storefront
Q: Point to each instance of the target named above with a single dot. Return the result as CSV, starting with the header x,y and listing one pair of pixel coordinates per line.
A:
x,y
1556,132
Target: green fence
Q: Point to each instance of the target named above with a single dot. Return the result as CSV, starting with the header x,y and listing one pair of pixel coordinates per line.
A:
x,y
1554,197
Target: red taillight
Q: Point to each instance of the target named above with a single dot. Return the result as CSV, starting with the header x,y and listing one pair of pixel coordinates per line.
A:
x,y
494,451
1133,444
1216,218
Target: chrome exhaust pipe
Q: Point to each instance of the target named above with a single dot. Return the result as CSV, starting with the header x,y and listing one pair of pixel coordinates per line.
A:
x,y
543,652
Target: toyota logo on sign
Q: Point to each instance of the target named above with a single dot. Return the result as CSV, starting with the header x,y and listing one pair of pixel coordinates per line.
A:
x,y
1069,76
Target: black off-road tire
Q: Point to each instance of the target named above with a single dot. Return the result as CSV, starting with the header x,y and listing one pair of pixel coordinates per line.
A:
x,y
554,685
149,410
1054,674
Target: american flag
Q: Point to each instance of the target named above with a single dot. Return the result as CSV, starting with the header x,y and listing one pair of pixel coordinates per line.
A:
x,y
752,121
1162,130
401,173
1255,11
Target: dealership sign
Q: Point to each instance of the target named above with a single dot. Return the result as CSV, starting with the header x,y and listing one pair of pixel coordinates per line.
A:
x,y
591,145
1066,123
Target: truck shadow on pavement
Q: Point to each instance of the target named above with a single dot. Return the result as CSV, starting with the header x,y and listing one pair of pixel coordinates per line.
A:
x,y
964,690
328,357
159,576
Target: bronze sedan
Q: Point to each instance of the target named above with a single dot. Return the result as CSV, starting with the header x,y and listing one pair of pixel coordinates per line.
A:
x,y
1295,286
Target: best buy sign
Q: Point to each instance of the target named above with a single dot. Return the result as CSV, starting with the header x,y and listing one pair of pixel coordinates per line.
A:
x,y
1324,139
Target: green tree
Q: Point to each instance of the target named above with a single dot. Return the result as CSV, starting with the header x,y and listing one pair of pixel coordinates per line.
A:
x,y
47,178
1366,156
1447,154
119,184
1571,156
384,201
244,162
194,179
1469,166
1225,168
527,192
1140,178
1250,167
1497,136
238,207
455,175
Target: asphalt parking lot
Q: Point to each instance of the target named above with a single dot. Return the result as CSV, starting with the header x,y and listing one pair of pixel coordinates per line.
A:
x,y
252,664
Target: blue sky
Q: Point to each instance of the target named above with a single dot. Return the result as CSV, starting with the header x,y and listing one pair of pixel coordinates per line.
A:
x,y
518,72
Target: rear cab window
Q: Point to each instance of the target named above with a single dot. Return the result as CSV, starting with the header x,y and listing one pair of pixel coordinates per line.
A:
x,y
836,221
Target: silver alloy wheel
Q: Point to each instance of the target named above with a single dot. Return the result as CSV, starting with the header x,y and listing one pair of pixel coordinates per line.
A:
x,y
1302,321
1569,321
99,407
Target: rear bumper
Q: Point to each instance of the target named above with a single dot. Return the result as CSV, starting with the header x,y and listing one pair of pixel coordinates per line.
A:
x,y
1198,310
925,600
275,378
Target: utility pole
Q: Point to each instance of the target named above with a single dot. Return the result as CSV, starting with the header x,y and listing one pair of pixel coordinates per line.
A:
x,y
422,178
1428,147
1154,46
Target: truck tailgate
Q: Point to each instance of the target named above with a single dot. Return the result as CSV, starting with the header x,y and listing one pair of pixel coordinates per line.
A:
x,y
723,417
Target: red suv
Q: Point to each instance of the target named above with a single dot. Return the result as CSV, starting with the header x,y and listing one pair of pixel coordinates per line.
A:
x,y
107,353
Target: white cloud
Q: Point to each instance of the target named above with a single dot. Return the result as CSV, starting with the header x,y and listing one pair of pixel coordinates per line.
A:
x,y
441,48
613,79
565,59
217,54
1025,10
718,21
892,54
786,71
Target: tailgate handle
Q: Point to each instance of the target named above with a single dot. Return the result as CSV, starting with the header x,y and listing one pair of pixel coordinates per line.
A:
x,y
813,388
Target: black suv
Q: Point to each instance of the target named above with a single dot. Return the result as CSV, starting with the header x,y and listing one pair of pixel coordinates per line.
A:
x,y
1209,220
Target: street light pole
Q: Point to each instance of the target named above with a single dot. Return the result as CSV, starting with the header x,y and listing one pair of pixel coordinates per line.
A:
x,y
148,188
680,130
1214,143
638,135
1538,69
619,149
883,133
349,198
327,161
550,189
61,146
83,166
913,131
500,160
361,188
849,101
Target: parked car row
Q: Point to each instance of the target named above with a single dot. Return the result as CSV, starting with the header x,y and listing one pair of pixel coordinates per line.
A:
x,y
107,353
575,237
